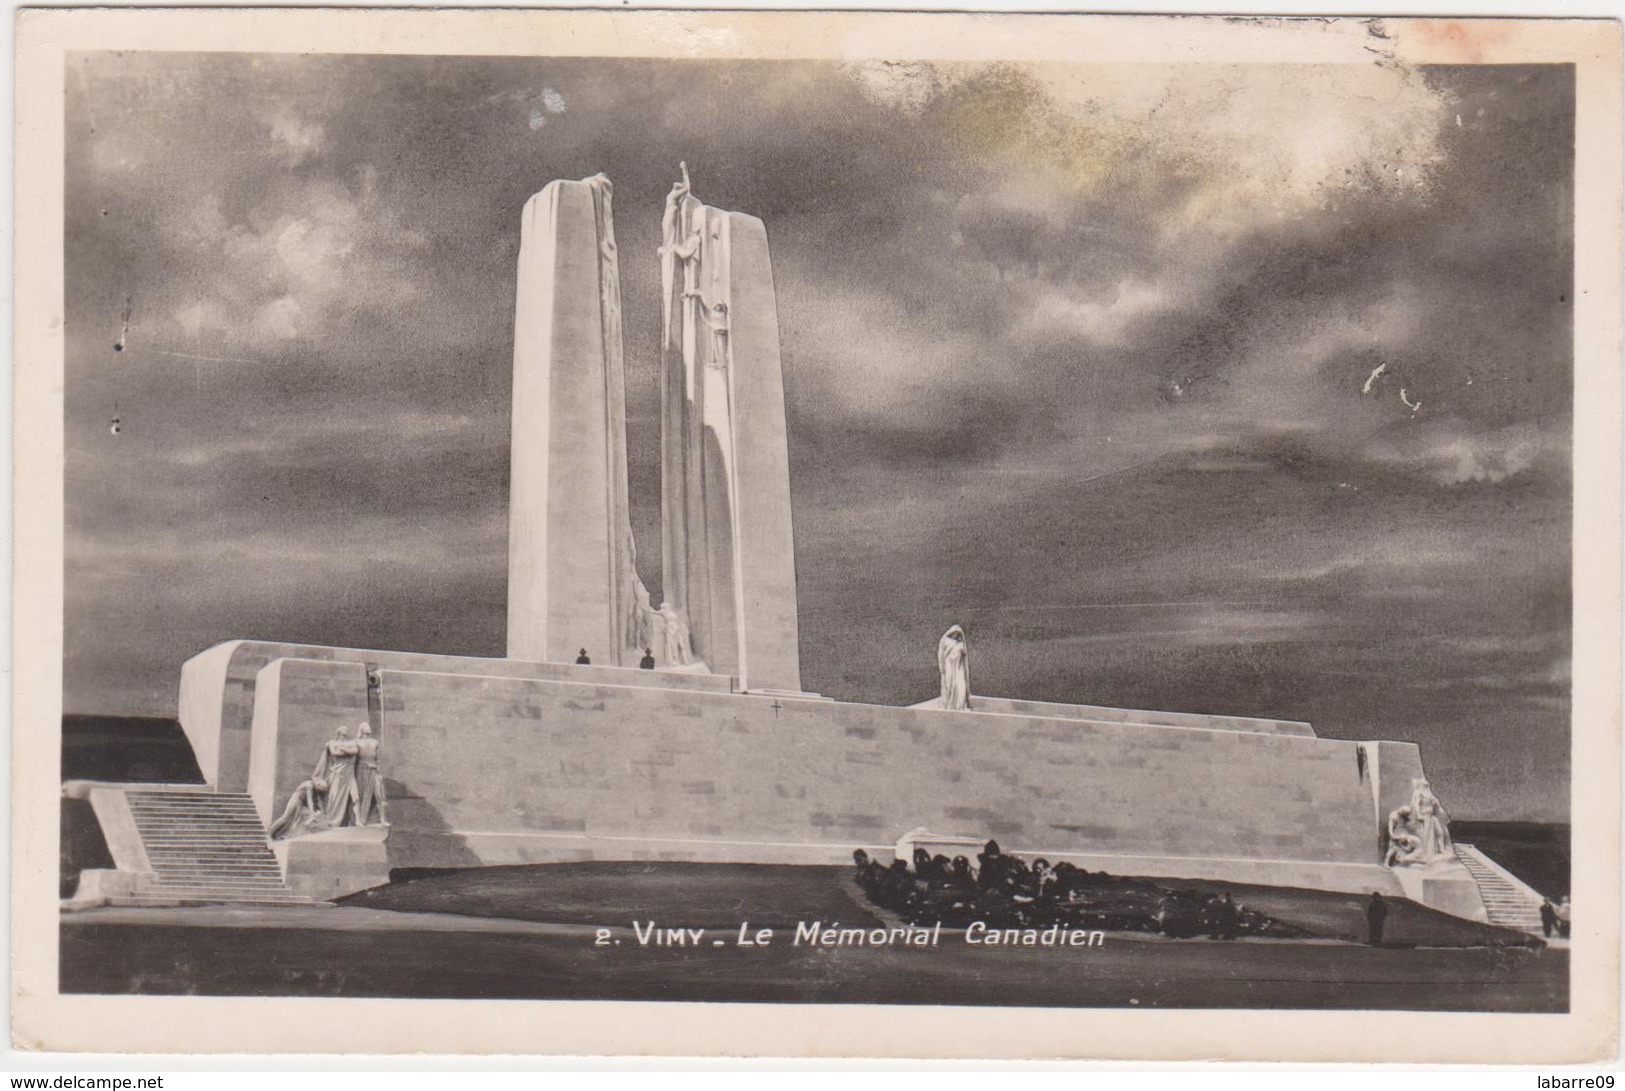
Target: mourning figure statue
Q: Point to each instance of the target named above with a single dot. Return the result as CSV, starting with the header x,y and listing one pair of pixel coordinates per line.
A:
x,y
677,649
1404,846
303,812
953,664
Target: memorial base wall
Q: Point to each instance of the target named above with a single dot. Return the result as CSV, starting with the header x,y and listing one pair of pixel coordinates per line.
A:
x,y
584,763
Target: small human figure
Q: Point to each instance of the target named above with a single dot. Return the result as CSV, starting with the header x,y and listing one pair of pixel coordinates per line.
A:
x,y
1229,918
1548,917
648,661
989,865
582,659
369,782
1165,913
1376,912
1044,880
1562,911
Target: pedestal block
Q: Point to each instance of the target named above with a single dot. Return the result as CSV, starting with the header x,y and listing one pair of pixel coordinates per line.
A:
x,y
1444,885
334,863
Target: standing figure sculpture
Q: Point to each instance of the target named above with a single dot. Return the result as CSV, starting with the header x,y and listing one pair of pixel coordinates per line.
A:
x,y
369,782
669,220
337,768
678,652
715,317
953,663
1432,823
676,240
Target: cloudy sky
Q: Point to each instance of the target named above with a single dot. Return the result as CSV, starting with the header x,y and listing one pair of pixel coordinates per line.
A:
x,y
1213,388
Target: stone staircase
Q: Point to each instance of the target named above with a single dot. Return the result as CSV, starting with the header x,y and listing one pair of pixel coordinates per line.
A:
x,y
206,848
1508,901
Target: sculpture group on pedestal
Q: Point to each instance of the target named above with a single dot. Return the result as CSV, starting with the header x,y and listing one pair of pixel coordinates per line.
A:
x,y
1419,831
345,789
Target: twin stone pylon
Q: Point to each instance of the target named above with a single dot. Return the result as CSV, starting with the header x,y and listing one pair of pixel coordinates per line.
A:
x,y
728,562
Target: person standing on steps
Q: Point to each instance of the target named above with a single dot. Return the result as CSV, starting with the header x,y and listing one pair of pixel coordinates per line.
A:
x,y
1548,917
582,660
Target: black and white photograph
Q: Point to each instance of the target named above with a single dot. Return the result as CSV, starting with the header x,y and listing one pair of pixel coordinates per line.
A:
x,y
944,528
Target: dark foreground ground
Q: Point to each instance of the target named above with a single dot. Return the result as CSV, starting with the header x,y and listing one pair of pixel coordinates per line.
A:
x,y
99,956
415,948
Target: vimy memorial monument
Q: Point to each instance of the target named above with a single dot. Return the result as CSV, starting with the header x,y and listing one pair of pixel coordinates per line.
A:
x,y
628,726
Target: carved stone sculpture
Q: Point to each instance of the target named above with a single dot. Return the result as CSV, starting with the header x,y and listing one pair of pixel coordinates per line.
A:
x,y
953,663
336,766
1403,844
714,316
1432,821
727,547
332,796
678,653
1419,831
303,813
369,782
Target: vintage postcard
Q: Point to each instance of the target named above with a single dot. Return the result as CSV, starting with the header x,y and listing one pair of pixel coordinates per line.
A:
x,y
842,534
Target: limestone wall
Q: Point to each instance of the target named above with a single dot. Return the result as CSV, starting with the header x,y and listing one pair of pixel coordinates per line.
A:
x,y
1138,716
768,627
298,705
570,571
217,690
728,562
503,770
200,709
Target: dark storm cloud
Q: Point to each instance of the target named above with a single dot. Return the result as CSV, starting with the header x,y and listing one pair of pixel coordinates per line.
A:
x,y
1115,365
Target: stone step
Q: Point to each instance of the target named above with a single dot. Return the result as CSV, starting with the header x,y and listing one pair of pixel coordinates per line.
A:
x,y
207,848
169,829
186,898
218,890
1507,901
222,882
154,818
243,857
186,816
247,836
166,810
